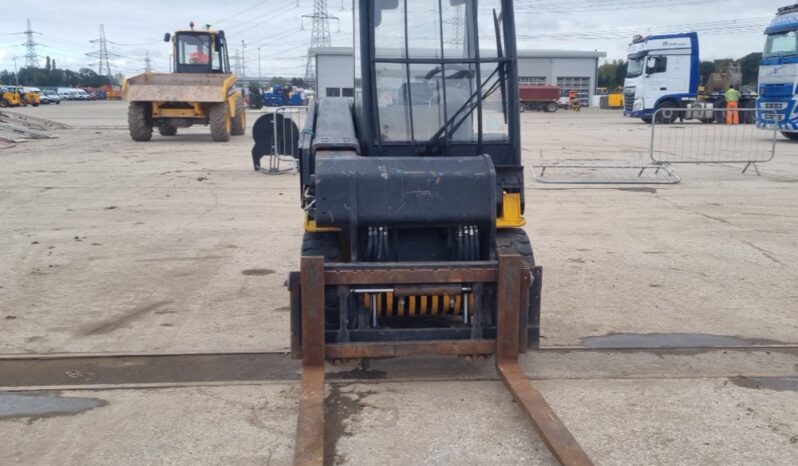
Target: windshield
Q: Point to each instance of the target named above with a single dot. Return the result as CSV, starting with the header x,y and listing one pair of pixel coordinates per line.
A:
x,y
635,67
785,43
194,49
429,88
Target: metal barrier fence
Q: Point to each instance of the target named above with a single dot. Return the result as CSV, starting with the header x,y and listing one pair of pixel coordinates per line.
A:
x,y
602,172
705,135
276,135
625,164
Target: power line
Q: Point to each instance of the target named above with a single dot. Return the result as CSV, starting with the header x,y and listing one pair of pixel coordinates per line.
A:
x,y
704,28
571,6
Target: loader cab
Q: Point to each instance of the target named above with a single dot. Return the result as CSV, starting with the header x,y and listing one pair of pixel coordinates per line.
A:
x,y
437,78
199,51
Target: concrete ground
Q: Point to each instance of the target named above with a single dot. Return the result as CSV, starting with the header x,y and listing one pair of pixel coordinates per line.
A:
x,y
176,245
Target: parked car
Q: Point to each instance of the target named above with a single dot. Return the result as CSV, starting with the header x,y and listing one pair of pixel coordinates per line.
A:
x,y
50,96
86,95
68,93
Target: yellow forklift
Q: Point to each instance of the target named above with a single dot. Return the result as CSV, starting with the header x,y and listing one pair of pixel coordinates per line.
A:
x,y
413,195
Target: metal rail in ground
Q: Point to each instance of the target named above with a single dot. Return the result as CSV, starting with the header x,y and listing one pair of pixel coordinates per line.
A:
x,y
314,276
137,370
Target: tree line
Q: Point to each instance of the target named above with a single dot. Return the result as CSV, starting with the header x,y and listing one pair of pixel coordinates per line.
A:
x,y
612,73
52,76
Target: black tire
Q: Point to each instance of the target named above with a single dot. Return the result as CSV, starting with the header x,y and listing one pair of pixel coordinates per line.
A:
x,y
238,126
552,107
167,130
790,136
666,112
748,117
720,117
139,121
516,241
35,105
646,120
327,245
522,107
3,103
220,121
58,102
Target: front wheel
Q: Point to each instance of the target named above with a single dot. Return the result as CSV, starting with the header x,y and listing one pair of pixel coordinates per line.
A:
x,y
552,107
239,123
667,113
328,246
516,241
167,130
139,121
220,122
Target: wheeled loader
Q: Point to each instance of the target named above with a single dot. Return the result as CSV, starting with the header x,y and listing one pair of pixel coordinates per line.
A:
x,y
9,97
413,193
200,91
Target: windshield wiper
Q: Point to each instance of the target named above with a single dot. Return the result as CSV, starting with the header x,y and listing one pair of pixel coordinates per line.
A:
x,y
440,138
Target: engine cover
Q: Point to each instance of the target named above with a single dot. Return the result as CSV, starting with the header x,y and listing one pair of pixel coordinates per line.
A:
x,y
404,191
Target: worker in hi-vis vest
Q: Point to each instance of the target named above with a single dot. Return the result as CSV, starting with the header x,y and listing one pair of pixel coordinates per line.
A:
x,y
732,103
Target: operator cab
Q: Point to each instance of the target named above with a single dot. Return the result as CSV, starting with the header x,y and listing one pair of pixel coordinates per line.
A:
x,y
442,73
199,51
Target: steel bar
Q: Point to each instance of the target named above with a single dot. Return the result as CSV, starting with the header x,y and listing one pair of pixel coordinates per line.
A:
x,y
410,275
309,447
551,430
385,350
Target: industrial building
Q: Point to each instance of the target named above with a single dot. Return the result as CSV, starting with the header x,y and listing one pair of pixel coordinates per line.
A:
x,y
568,69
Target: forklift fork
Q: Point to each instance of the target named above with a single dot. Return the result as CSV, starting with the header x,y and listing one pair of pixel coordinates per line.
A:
x,y
507,273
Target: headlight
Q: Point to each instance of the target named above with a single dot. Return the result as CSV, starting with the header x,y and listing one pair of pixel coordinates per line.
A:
x,y
638,105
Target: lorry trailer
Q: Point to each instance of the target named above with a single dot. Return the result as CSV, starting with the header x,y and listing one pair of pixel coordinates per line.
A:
x,y
664,76
539,97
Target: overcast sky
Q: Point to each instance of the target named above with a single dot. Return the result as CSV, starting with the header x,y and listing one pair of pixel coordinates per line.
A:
x,y
727,28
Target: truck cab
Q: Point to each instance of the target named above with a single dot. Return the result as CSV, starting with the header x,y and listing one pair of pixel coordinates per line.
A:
x,y
663,73
199,51
778,74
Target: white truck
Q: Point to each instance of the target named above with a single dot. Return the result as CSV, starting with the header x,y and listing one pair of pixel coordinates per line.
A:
x,y
778,74
664,76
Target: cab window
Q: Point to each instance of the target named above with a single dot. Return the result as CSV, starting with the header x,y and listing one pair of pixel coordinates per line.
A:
x,y
194,49
656,65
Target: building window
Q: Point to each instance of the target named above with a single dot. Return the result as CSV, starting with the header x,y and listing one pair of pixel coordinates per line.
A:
x,y
539,80
580,84
347,92
333,92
